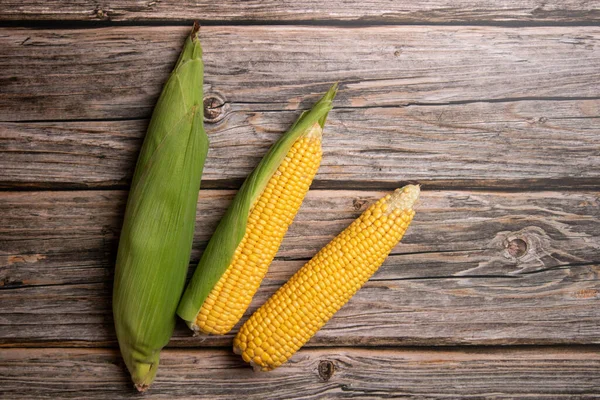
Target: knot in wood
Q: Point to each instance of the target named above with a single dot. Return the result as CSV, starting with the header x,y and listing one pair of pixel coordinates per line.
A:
x,y
357,204
517,247
8,282
214,108
100,13
326,370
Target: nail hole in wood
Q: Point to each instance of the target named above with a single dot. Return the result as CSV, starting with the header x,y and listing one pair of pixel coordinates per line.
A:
x,y
326,370
517,248
214,108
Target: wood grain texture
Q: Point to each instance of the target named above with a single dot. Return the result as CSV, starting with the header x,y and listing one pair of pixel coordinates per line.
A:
x,y
555,306
117,72
474,268
45,236
427,11
542,373
512,144
461,97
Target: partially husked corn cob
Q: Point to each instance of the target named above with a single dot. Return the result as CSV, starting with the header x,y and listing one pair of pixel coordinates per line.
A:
x,y
248,237
158,228
319,289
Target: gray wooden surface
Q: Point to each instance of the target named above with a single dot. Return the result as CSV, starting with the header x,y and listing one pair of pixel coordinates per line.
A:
x,y
528,144
553,373
372,11
459,275
117,72
493,108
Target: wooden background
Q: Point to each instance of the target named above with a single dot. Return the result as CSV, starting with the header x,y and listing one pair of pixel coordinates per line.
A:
x,y
492,106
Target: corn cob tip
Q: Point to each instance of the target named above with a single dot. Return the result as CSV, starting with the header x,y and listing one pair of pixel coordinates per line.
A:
x,y
195,31
315,132
143,373
141,387
328,98
332,90
403,198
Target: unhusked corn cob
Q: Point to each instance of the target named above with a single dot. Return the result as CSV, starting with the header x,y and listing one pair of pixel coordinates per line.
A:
x,y
158,229
248,237
319,289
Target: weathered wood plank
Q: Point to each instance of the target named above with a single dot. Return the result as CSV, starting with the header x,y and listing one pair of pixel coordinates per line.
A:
x,y
556,306
474,268
428,11
540,373
50,238
480,144
117,72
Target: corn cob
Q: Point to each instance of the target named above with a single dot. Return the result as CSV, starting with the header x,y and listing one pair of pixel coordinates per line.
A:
x,y
319,289
245,242
158,228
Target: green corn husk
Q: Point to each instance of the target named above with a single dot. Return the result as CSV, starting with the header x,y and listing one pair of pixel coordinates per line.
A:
x,y
230,231
158,229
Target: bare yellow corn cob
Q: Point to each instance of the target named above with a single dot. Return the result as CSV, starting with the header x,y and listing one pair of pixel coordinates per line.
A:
x,y
249,234
268,222
319,289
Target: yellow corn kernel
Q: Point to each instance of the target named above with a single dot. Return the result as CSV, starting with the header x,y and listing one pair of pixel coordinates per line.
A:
x,y
320,288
